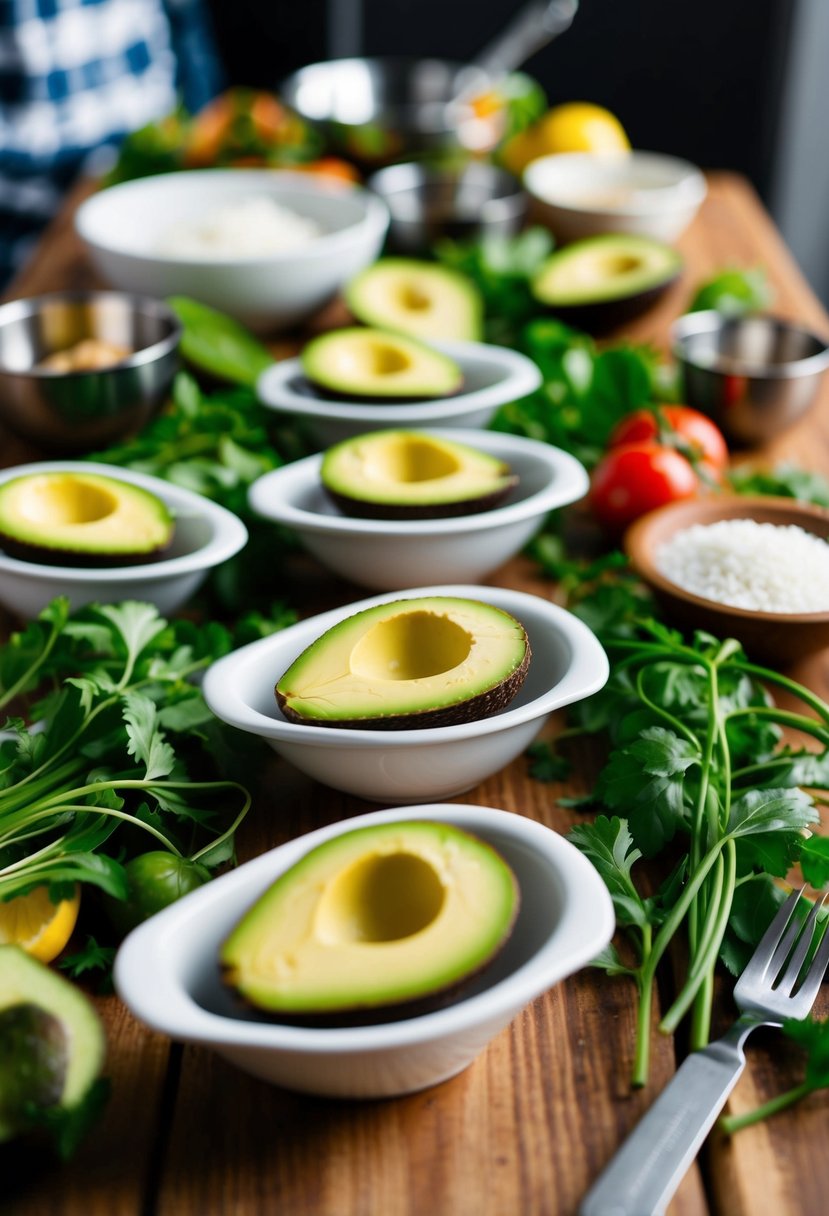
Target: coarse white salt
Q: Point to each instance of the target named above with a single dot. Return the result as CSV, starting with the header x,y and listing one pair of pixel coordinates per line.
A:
x,y
254,226
761,567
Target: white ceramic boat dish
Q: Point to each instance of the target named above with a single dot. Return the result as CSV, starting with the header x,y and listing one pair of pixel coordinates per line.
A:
x,y
388,555
167,970
407,766
581,194
206,535
492,376
123,228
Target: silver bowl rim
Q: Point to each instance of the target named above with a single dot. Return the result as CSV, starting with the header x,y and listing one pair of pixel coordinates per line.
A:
x,y
708,321
30,306
510,201
384,64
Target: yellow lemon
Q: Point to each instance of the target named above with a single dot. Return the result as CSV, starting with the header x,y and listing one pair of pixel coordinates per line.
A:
x,y
580,126
39,926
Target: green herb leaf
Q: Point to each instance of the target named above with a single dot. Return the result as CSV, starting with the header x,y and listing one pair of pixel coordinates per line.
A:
x,y
145,740
734,291
609,845
775,810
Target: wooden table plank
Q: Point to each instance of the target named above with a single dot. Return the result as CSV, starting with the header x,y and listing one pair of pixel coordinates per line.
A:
x,y
527,1127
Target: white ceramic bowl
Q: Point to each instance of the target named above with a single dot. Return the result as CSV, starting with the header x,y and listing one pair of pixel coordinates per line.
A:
x,y
407,766
581,194
167,970
492,376
390,554
206,535
123,226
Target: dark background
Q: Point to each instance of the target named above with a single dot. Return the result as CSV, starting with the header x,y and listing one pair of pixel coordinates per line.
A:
x,y
697,78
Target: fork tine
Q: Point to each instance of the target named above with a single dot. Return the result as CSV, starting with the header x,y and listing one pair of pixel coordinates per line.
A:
x,y
814,976
804,942
770,941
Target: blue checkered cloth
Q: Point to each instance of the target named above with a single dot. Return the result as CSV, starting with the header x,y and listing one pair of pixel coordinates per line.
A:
x,y
79,74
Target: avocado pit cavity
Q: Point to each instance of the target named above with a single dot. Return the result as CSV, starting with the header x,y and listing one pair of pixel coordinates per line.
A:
x,y
421,299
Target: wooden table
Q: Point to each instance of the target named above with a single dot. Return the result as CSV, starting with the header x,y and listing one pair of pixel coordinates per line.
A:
x,y
527,1127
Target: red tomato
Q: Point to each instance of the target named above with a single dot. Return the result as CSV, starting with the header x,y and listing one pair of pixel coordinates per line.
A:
x,y
630,480
694,434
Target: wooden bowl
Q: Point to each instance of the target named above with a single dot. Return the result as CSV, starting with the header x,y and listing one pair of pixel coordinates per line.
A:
x,y
774,637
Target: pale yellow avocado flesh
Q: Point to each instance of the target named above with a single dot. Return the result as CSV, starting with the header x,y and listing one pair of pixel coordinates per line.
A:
x,y
82,513
377,916
375,363
407,468
417,298
422,661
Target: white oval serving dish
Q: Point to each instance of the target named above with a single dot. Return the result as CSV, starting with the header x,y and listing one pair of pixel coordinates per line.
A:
x,y
407,766
167,970
388,555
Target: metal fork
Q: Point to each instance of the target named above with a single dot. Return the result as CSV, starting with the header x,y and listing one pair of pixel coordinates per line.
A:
x,y
649,1166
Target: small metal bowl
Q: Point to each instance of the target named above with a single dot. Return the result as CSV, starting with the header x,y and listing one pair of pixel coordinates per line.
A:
x,y
377,111
755,375
80,411
427,203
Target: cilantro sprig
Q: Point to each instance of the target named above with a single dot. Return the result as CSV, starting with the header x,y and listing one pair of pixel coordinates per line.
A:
x,y
115,764
812,1035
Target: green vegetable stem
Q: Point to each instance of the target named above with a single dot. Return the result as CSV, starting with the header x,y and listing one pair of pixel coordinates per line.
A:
x,y
697,777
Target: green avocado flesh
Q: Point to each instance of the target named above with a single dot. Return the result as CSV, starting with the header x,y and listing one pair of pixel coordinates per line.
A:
x,y
411,475
429,661
51,1041
378,917
372,363
421,299
604,268
74,518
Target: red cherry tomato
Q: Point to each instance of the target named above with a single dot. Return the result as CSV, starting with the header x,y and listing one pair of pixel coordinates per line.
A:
x,y
693,433
630,480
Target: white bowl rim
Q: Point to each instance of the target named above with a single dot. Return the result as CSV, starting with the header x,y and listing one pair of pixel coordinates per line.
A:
x,y
146,981
229,534
327,245
688,191
587,673
521,376
272,495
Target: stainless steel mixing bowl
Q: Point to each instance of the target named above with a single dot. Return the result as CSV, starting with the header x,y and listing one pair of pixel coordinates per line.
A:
x,y
427,203
754,375
377,111
81,411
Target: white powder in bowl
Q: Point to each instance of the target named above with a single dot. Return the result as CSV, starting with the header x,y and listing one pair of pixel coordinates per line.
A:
x,y
762,567
247,227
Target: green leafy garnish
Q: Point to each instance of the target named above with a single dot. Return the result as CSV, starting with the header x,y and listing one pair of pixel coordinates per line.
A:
x,y
121,743
217,344
813,1036
734,291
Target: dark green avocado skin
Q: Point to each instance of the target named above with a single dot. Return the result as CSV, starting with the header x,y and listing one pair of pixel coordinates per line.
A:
x,y
307,388
361,509
602,316
45,556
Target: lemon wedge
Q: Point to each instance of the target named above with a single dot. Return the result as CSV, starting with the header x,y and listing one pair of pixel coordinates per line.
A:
x,y
40,927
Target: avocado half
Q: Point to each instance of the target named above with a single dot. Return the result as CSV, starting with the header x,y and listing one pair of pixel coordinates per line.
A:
x,y
82,519
389,919
408,664
51,1042
421,299
603,281
412,475
373,364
